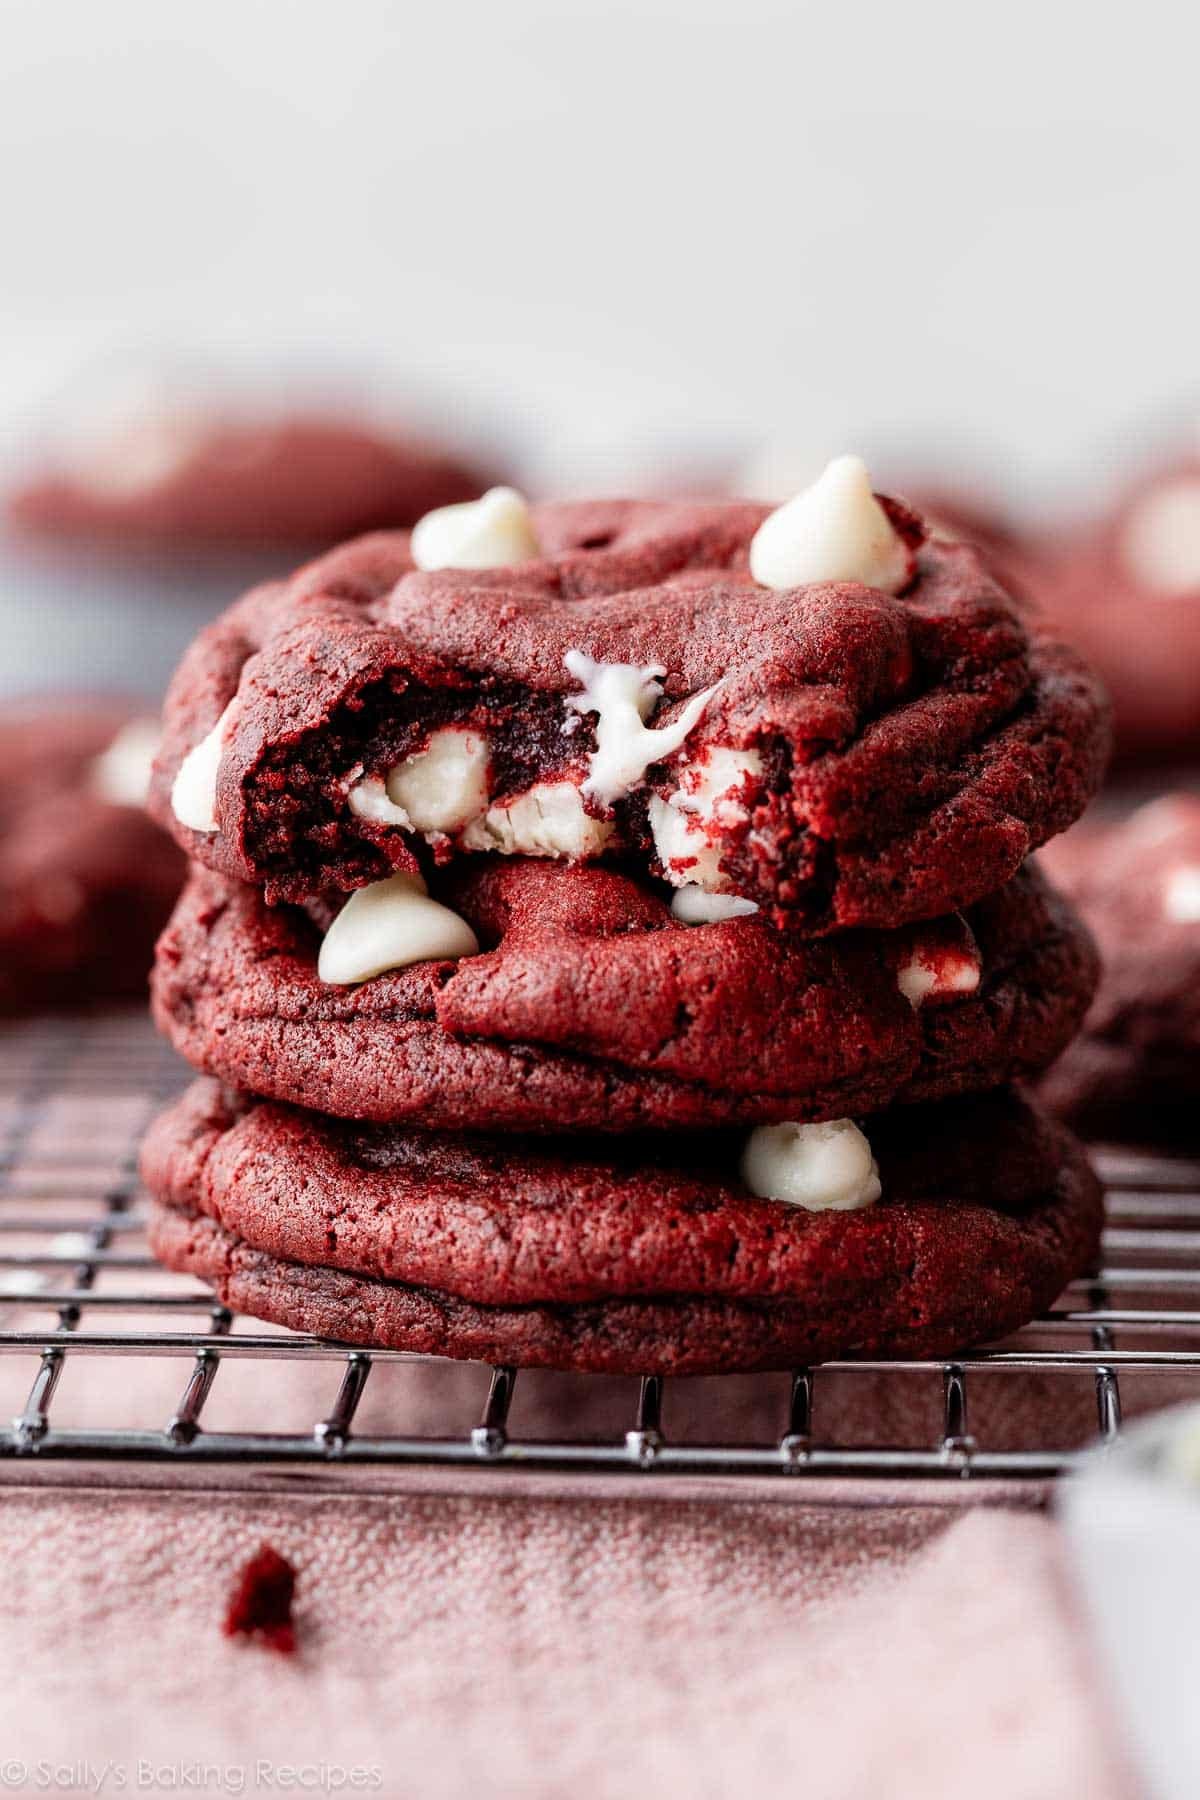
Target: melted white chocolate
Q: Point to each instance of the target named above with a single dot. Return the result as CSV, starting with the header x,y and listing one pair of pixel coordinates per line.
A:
x,y
548,820
623,696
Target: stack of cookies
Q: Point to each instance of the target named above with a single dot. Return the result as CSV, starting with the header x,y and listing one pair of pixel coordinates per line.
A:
x,y
611,945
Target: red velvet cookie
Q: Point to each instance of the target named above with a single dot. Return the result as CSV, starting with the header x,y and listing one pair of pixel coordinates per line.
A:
x,y
1126,592
592,1006
1136,1066
197,481
639,1256
861,759
87,880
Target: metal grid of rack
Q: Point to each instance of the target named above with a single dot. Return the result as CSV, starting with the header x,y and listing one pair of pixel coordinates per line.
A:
x,y
77,1284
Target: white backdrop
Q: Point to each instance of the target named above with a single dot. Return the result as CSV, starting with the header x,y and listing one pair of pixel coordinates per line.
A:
x,y
613,228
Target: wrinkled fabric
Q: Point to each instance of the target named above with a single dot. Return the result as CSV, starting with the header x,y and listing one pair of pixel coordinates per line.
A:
x,y
498,1640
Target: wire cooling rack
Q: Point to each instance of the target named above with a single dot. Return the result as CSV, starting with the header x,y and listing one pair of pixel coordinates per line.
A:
x,y
150,1355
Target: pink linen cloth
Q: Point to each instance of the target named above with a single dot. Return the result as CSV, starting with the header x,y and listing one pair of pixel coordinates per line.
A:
x,y
516,1640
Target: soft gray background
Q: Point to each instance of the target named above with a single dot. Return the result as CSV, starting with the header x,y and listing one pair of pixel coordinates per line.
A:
x,y
625,237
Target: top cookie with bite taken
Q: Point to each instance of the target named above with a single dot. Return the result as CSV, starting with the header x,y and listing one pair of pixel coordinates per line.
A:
x,y
818,712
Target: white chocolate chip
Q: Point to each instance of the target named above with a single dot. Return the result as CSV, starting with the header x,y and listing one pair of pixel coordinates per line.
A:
x,y
835,530
1160,542
139,456
916,981
936,961
1181,896
706,798
707,787
623,696
72,1243
937,973
823,1168
20,1281
695,906
488,533
390,925
682,847
368,799
444,785
1157,821
548,820
438,789
121,774
194,793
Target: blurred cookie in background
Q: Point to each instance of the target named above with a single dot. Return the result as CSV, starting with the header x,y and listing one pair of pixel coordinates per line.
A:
x,y
87,881
1136,880
1125,589
140,492
969,515
194,480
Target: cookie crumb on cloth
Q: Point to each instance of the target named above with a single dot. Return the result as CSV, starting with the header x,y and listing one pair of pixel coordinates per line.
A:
x,y
261,1604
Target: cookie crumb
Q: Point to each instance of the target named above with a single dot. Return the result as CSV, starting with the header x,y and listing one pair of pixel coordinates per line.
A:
x,y
261,1604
